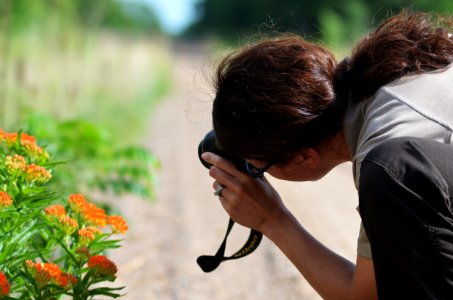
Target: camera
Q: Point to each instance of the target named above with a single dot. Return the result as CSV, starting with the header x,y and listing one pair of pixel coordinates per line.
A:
x,y
209,263
209,144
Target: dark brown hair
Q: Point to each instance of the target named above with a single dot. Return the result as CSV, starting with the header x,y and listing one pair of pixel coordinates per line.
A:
x,y
406,43
279,95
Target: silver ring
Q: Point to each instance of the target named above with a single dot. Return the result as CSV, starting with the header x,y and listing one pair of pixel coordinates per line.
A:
x,y
218,190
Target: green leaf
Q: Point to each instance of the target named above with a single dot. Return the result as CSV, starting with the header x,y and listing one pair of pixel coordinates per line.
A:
x,y
106,292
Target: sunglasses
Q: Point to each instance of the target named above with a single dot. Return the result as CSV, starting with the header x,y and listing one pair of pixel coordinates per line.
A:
x,y
255,172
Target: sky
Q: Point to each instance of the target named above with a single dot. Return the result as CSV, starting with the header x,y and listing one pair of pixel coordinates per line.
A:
x,y
174,15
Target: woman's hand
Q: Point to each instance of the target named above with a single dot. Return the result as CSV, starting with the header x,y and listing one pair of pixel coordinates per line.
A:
x,y
254,203
251,202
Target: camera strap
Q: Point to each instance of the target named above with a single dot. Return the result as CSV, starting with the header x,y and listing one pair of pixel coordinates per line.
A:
x,y
209,263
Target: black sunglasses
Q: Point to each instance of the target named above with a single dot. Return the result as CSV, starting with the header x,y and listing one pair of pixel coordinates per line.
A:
x,y
254,172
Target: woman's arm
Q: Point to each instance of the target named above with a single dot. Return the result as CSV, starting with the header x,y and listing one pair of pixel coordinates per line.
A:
x,y
254,203
331,275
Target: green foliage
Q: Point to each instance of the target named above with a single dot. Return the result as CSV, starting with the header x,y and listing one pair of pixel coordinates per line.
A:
x,y
95,161
49,246
67,81
54,58
341,28
129,16
338,23
110,14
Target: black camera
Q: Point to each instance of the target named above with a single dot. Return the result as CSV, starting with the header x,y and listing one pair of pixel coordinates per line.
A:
x,y
209,263
209,144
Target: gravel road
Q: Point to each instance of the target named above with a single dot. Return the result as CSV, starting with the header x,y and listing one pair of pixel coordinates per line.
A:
x,y
158,257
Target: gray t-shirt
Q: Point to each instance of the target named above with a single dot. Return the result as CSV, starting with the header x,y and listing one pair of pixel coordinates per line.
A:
x,y
416,106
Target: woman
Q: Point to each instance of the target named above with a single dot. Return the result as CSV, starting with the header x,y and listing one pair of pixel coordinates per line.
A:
x,y
286,107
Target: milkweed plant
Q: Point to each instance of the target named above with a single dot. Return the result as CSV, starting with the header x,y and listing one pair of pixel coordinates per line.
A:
x,y
51,246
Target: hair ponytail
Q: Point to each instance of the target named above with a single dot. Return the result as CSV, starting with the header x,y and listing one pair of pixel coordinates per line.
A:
x,y
405,43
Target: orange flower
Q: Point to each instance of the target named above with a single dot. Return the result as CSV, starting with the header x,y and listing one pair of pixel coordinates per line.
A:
x,y
77,202
69,224
102,266
57,213
15,164
87,234
118,224
10,138
55,210
37,173
4,284
90,212
94,215
50,273
28,141
5,199
66,280
44,273
30,264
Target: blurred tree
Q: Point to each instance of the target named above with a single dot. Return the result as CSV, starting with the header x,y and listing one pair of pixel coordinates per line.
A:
x,y
119,15
336,22
230,18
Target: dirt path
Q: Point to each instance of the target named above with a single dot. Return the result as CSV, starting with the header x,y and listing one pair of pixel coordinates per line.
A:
x,y
157,260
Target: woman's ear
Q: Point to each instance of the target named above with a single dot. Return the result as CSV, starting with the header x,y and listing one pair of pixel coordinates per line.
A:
x,y
308,157
311,157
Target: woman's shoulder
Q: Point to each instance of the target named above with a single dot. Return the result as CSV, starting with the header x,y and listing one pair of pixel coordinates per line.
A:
x,y
430,93
426,84
419,106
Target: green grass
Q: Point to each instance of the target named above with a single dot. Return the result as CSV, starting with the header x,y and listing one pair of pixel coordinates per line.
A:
x,y
107,79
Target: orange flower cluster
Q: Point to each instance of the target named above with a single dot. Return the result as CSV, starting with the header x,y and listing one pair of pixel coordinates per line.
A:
x,y
87,234
50,273
77,202
37,173
90,212
15,164
118,224
66,280
28,141
4,285
95,215
102,266
69,224
5,199
55,210
58,212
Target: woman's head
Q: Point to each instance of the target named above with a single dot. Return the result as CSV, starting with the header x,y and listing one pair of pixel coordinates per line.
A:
x,y
270,98
279,96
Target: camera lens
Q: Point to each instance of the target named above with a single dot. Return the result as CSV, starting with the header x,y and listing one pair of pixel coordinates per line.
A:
x,y
208,144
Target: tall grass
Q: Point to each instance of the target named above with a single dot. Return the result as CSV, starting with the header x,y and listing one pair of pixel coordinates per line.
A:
x,y
61,68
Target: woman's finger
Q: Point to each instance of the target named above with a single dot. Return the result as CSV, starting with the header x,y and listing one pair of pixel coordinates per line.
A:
x,y
221,163
220,190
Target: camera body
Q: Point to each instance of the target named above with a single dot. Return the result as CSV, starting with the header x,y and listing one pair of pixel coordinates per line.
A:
x,y
209,263
209,144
